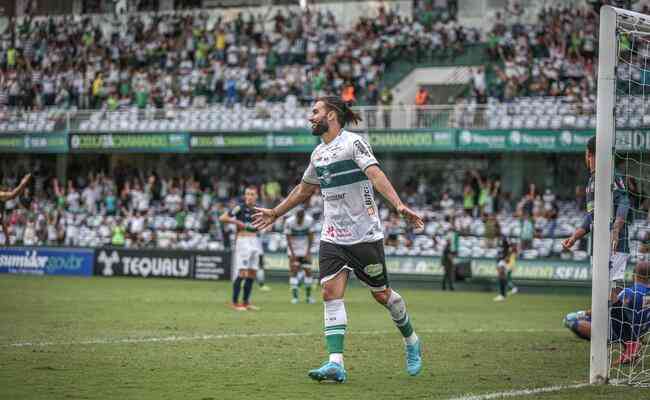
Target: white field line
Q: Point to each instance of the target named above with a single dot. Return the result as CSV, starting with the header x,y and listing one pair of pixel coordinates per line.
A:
x,y
208,337
520,393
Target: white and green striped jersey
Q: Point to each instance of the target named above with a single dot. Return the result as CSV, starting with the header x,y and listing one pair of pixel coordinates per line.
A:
x,y
350,212
299,234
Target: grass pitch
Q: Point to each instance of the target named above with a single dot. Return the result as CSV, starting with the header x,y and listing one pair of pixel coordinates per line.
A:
x,y
128,338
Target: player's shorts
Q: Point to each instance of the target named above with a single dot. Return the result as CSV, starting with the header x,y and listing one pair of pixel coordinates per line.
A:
x,y
621,325
247,253
366,260
617,266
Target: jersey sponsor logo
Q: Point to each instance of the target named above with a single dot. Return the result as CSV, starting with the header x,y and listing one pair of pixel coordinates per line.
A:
x,y
368,201
361,148
373,270
331,231
334,197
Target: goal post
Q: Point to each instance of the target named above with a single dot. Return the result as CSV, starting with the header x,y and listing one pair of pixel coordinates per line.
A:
x,y
605,97
622,97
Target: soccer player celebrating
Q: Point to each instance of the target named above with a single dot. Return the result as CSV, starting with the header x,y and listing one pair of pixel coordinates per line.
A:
x,y
620,247
300,237
346,170
629,316
248,249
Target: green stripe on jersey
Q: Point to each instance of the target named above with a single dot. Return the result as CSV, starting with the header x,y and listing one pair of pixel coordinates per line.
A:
x,y
341,180
336,167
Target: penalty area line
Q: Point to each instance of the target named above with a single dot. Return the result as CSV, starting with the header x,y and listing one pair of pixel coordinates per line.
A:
x,y
520,392
223,336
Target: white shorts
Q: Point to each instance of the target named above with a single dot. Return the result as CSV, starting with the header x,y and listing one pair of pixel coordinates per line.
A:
x,y
248,250
617,266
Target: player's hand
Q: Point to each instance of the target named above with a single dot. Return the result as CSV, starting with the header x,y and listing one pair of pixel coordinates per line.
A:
x,y
264,218
568,243
410,216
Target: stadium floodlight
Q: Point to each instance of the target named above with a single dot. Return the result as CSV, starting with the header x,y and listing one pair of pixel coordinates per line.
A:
x,y
619,357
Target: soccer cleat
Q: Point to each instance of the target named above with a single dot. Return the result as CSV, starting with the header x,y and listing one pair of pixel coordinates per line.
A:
x,y
499,298
631,353
294,301
238,307
414,358
514,290
251,307
310,300
330,371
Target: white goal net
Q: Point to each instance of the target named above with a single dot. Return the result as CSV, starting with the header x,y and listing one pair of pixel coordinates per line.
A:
x,y
620,306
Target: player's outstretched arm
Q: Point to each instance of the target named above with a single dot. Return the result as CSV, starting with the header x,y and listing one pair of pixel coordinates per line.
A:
x,y
265,217
4,196
577,235
227,219
383,186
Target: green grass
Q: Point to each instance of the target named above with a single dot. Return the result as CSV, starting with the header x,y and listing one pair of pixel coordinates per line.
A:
x,y
472,345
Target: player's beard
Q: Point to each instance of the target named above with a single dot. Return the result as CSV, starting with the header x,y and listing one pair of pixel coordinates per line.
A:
x,y
321,127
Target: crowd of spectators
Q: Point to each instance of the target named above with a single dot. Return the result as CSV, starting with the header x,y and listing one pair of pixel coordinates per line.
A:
x,y
556,56
183,60
127,208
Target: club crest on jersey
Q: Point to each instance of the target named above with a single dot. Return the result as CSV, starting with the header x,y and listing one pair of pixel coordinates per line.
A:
x,y
373,270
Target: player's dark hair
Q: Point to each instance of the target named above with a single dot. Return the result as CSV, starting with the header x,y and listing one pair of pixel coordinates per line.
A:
x,y
344,113
591,145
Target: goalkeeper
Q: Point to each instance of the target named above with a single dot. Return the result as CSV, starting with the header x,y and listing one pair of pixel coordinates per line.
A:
x,y
629,316
620,246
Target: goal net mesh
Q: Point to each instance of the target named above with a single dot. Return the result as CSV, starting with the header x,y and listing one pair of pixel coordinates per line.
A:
x,y
629,328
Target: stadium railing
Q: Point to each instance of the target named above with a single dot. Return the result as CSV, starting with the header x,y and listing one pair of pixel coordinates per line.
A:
x,y
553,113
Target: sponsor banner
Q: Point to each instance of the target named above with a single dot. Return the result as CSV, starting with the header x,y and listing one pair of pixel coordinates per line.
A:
x,y
413,140
633,140
298,142
46,261
212,265
482,140
130,142
144,263
555,270
34,143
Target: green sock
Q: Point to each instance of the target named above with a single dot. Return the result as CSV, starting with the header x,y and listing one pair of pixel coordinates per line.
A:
x,y
334,336
404,326
308,291
294,292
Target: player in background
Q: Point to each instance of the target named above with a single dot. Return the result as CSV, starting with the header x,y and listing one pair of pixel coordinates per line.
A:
x,y
619,231
511,263
300,237
629,316
261,276
352,237
248,249
504,256
449,254
620,247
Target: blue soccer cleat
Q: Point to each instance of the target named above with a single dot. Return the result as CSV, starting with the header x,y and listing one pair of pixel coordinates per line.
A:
x,y
330,371
414,358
